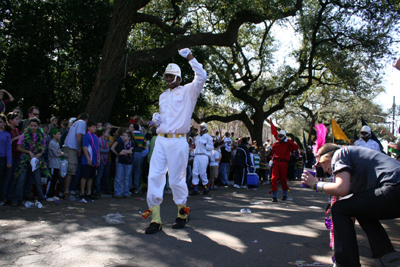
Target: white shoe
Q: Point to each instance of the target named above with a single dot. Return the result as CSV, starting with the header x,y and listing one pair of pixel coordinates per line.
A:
x,y
244,186
83,200
236,186
56,198
50,199
71,198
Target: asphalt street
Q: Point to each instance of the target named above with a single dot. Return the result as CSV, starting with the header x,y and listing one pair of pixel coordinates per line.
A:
x,y
70,233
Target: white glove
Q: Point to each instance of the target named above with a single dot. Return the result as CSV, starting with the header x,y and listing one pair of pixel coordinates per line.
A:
x,y
184,52
271,163
156,119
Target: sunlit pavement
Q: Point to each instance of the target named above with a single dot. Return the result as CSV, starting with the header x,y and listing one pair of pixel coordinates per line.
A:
x,y
218,233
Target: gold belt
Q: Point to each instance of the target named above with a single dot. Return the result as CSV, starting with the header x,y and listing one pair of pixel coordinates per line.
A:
x,y
172,135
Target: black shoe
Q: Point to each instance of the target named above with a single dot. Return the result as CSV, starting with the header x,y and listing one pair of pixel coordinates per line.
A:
x,y
274,199
179,223
284,197
205,192
194,193
153,228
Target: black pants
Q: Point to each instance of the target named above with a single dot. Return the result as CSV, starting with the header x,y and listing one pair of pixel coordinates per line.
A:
x,y
368,208
55,177
240,176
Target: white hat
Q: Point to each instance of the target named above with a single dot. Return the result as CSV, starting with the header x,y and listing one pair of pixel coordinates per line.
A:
x,y
282,132
366,129
72,120
173,69
203,124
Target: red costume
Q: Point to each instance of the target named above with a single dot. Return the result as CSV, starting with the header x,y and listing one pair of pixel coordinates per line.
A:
x,y
281,155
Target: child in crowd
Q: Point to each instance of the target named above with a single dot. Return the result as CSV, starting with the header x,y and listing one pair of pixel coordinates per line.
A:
x,y
262,171
13,119
256,159
5,159
214,165
55,155
47,138
299,166
104,165
124,150
31,145
90,161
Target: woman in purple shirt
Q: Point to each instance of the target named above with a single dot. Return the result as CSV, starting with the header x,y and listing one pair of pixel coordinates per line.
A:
x,y
5,159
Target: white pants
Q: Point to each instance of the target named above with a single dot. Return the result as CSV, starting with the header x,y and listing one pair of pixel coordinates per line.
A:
x,y
200,164
170,154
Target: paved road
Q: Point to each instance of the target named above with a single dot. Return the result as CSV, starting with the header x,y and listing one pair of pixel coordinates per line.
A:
x,y
218,234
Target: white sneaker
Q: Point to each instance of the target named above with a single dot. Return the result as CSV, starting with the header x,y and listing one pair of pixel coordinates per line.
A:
x,y
71,198
236,186
56,198
83,200
50,199
244,186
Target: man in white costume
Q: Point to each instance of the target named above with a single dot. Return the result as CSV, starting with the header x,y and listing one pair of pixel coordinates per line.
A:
x,y
171,151
204,147
365,139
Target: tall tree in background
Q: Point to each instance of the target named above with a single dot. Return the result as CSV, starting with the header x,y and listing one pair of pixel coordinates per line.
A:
x,y
50,51
183,24
342,43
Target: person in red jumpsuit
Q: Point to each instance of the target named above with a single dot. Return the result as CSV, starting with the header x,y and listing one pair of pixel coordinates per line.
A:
x,y
280,157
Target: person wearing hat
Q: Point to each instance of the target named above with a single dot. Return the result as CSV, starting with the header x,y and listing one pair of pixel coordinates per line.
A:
x,y
365,139
53,124
280,157
171,151
204,147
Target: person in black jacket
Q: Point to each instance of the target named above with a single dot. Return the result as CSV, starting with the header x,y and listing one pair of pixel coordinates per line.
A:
x,y
241,162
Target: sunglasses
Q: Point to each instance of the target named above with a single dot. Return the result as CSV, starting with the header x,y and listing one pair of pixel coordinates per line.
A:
x,y
36,114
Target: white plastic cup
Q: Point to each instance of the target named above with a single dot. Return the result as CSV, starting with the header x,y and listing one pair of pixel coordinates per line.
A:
x,y
29,204
245,210
38,205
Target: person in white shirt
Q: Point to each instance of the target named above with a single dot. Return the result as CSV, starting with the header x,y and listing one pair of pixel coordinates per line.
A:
x,y
171,151
228,142
365,139
204,146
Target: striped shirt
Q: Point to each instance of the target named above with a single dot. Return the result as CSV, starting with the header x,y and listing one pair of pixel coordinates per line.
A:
x,y
256,158
140,141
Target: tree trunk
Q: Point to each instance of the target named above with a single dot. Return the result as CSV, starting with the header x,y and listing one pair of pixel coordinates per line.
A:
x,y
112,65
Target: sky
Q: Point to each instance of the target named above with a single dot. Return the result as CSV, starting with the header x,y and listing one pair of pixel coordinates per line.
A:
x,y
392,86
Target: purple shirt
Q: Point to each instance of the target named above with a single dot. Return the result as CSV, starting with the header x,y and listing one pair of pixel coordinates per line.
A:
x,y
5,146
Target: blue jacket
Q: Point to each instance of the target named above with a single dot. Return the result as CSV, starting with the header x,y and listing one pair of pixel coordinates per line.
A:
x,y
242,156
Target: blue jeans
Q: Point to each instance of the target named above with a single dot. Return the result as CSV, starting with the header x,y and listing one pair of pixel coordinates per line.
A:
x,y
103,173
75,178
20,184
137,169
5,177
121,182
189,175
223,172
368,207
